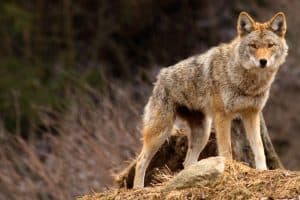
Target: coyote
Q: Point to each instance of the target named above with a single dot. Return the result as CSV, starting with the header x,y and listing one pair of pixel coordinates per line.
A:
x,y
228,81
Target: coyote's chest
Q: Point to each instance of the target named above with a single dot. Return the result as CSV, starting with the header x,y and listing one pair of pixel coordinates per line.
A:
x,y
234,101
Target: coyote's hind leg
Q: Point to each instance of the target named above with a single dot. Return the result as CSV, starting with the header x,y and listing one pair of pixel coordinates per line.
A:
x,y
198,138
148,151
158,123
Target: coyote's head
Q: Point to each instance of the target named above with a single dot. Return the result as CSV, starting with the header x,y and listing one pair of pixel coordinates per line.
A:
x,y
262,45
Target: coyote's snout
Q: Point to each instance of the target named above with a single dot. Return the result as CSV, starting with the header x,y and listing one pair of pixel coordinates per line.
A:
x,y
228,81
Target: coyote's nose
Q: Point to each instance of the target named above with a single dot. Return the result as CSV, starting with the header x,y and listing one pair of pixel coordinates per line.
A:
x,y
263,63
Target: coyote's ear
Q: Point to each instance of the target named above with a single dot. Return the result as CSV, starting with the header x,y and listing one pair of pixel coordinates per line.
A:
x,y
278,24
245,24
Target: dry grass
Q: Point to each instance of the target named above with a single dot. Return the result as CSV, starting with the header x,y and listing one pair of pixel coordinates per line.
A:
x,y
237,182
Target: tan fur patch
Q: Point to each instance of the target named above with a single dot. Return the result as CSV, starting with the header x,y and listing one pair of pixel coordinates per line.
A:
x,y
263,53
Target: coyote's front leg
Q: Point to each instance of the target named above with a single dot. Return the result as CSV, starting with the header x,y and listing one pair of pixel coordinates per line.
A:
x,y
252,125
223,133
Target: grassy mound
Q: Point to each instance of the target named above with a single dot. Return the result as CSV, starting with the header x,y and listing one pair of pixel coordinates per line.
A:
x,y
237,182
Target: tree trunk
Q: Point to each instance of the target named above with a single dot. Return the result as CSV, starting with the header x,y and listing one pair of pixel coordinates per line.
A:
x,y
172,154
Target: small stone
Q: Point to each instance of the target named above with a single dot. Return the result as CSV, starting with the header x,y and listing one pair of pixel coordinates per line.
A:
x,y
202,173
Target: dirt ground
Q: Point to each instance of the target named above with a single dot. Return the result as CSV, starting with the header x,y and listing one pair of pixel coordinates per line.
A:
x,y
237,182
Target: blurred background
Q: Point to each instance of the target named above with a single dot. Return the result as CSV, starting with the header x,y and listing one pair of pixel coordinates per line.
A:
x,y
76,74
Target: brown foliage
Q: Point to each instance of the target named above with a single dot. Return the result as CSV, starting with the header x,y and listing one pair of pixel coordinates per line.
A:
x,y
76,151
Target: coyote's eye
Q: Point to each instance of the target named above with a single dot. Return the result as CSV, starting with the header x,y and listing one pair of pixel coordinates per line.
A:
x,y
252,45
270,45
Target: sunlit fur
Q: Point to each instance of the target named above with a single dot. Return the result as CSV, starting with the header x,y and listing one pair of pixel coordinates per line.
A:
x,y
225,82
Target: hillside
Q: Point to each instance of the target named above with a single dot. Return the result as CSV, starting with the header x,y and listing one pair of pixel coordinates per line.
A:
x,y
214,178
